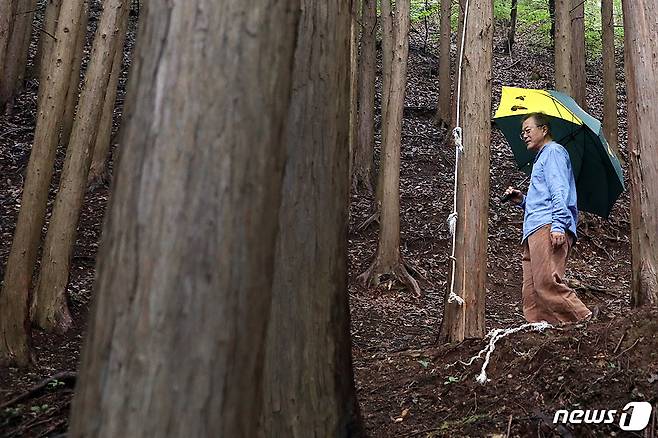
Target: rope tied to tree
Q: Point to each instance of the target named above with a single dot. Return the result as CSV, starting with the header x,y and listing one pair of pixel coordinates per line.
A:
x,y
457,134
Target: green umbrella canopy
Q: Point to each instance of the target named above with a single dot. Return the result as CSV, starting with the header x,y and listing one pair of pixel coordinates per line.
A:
x,y
598,174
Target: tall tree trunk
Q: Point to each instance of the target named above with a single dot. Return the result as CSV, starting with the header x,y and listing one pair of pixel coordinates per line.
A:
x,y
610,127
176,342
563,51
73,94
363,156
46,39
511,32
308,383
50,310
7,19
443,113
98,168
14,320
467,320
13,54
641,50
578,53
354,75
396,48
25,49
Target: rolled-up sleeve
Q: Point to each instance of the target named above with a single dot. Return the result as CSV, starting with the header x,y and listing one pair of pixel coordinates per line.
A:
x,y
556,171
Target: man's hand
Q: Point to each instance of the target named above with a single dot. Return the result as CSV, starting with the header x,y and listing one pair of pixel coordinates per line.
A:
x,y
557,239
514,195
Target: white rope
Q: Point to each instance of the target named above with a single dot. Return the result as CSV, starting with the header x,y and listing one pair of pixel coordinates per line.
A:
x,y
459,149
495,335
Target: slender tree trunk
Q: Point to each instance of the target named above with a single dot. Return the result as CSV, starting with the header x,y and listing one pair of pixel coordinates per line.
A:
x,y
460,30
578,54
641,50
7,13
73,94
98,168
467,320
13,53
46,39
308,383
396,48
443,112
363,157
354,75
14,320
563,51
50,308
388,39
610,127
176,342
25,49
512,26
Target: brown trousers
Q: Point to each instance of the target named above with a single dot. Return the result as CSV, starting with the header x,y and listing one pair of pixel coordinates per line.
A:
x,y
545,296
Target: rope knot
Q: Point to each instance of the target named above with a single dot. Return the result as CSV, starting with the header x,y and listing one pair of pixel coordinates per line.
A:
x,y
452,222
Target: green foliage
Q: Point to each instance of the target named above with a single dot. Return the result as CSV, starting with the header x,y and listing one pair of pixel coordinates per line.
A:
x,y
451,379
421,9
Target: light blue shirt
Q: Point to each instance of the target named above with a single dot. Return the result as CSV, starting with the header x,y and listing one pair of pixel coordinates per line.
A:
x,y
551,196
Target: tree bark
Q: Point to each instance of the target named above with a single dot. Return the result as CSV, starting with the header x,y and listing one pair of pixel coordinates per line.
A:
x,y
610,128
73,94
98,168
308,381
7,15
396,48
363,157
563,51
641,51
578,54
22,21
354,75
14,323
46,40
176,342
511,33
551,13
50,310
467,320
443,113
25,49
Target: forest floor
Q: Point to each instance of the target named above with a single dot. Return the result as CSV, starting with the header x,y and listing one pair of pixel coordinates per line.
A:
x,y
408,384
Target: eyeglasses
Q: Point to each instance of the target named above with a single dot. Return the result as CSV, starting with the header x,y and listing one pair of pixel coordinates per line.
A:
x,y
527,130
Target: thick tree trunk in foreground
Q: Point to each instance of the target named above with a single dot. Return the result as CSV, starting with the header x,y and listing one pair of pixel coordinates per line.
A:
x,y
50,310
363,156
467,320
443,112
578,53
176,343
641,50
14,321
73,94
98,168
396,46
610,128
308,383
563,51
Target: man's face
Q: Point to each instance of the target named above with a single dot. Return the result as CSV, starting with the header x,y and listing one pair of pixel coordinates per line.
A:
x,y
533,135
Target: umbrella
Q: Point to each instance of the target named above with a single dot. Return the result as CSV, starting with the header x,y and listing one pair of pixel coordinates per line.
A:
x,y
598,174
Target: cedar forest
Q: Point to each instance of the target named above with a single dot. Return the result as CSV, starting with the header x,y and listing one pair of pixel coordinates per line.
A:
x,y
285,219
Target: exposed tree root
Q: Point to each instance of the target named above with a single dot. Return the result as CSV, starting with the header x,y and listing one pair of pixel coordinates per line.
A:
x,y
372,218
373,276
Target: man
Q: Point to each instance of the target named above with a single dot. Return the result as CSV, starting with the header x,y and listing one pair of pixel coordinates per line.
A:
x,y
549,228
